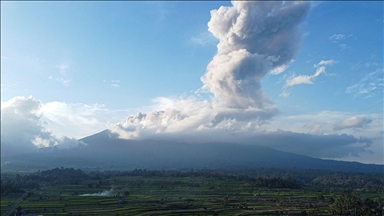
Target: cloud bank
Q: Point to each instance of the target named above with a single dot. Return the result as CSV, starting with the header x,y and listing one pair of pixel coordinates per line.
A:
x,y
22,128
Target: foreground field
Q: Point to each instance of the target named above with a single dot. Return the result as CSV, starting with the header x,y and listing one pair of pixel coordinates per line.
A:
x,y
174,195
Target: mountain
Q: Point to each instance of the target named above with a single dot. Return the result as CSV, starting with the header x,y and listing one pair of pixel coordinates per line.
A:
x,y
105,150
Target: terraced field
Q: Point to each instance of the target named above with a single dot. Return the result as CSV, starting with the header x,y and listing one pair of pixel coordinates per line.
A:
x,y
169,196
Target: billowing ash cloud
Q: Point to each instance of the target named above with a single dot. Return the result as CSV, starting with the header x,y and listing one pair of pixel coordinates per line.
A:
x,y
256,37
22,130
188,117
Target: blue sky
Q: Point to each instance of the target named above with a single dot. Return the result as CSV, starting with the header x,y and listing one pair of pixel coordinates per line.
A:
x,y
90,65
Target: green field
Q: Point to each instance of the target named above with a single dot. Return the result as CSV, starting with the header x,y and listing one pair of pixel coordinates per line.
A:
x,y
174,195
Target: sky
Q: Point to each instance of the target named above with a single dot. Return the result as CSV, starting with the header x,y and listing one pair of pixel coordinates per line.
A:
x,y
302,77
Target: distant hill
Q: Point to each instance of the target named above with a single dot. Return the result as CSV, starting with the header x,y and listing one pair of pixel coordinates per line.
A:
x,y
104,150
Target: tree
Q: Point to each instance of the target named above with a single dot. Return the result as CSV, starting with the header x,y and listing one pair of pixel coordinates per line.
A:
x,y
226,201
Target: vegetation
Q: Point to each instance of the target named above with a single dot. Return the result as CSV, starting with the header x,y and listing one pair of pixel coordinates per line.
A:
x,y
349,203
68,191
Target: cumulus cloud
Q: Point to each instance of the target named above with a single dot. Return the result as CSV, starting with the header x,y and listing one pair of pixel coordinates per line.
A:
x,y
22,130
256,37
353,122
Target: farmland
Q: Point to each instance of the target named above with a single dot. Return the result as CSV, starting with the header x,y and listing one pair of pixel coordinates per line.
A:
x,y
173,193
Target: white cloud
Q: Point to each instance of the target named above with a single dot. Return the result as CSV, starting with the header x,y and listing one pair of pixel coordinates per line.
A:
x,y
22,130
324,63
279,69
308,79
28,124
337,37
284,94
78,119
115,83
184,117
353,122
300,79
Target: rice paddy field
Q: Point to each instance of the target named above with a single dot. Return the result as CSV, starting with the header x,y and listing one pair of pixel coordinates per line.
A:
x,y
170,196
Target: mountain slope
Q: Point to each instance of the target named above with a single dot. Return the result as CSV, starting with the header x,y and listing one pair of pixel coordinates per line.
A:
x,y
165,154
105,150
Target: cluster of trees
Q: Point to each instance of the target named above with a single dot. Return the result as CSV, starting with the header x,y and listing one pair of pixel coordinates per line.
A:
x,y
266,177
277,183
8,186
365,182
17,185
350,203
33,181
323,179
270,177
270,182
58,176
